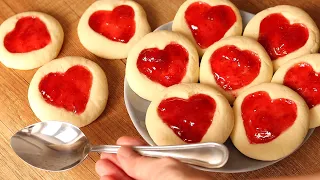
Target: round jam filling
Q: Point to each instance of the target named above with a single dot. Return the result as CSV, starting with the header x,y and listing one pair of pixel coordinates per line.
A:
x,y
209,24
279,37
167,66
233,68
190,118
117,25
265,119
29,34
305,81
69,90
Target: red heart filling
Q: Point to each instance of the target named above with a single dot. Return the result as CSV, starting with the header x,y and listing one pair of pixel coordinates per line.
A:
x,y
209,24
190,118
279,37
264,119
167,66
117,25
29,34
69,90
305,81
233,68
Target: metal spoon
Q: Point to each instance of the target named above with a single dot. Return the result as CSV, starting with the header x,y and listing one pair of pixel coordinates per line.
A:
x,y
58,146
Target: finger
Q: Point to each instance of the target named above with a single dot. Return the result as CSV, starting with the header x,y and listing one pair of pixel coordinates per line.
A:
x,y
107,178
111,157
112,178
107,168
130,141
125,140
142,168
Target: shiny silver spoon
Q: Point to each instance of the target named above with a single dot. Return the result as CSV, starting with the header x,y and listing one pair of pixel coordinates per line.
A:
x,y
58,146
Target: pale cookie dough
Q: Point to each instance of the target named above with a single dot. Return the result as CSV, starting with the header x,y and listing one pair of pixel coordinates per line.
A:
x,y
180,25
283,145
102,46
314,61
36,58
139,82
294,15
244,44
218,131
97,97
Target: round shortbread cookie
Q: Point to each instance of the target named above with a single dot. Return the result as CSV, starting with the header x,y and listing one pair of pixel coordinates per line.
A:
x,y
70,89
235,64
189,113
29,40
161,59
302,75
271,122
110,28
286,32
205,22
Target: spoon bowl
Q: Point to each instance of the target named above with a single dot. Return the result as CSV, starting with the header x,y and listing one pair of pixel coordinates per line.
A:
x,y
59,146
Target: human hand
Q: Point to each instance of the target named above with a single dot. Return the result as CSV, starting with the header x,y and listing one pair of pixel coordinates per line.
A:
x,y
128,165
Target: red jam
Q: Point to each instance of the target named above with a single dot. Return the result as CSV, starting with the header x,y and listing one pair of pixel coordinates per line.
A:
x,y
117,25
190,118
209,23
69,90
305,81
29,34
167,66
233,68
264,119
279,37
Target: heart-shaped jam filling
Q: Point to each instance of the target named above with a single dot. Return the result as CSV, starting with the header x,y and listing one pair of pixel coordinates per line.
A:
x,y
117,25
29,34
167,66
233,68
305,81
69,90
279,37
209,24
190,118
265,119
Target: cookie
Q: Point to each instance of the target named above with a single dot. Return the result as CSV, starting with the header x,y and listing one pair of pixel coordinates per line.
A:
x,y
29,40
110,28
70,89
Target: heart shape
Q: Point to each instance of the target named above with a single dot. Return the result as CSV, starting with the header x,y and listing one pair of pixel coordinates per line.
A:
x,y
265,119
233,68
304,80
69,90
29,34
167,66
117,25
279,37
209,24
190,118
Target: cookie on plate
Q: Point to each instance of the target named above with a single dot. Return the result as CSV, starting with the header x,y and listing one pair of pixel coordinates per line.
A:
x,y
271,122
207,21
189,113
235,64
109,28
29,40
286,32
302,75
161,59
70,89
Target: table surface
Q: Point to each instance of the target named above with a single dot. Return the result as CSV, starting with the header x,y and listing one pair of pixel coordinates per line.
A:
x,y
15,112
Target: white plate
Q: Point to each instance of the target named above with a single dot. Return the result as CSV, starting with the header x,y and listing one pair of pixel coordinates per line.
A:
x,y
137,108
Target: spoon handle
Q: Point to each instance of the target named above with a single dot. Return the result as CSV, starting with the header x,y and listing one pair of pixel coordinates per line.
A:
x,y
208,155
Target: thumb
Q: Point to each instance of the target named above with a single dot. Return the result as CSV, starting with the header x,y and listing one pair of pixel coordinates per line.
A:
x,y
146,168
